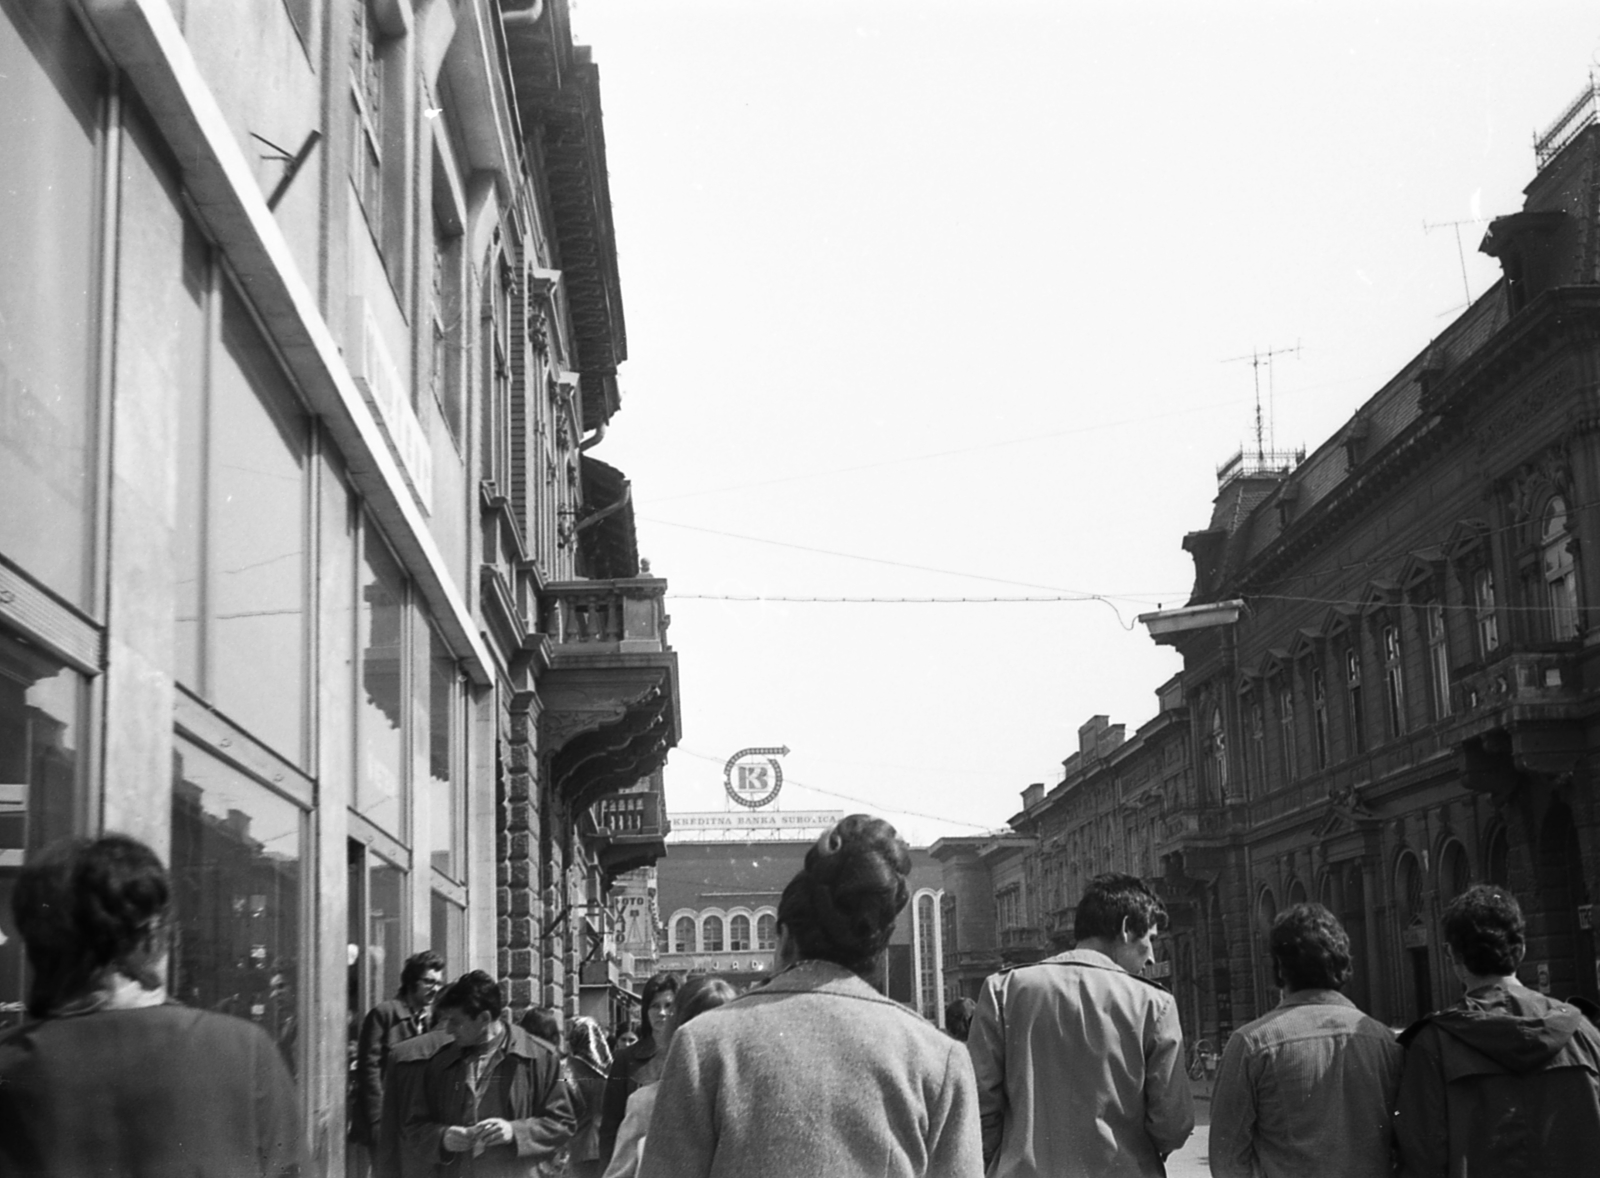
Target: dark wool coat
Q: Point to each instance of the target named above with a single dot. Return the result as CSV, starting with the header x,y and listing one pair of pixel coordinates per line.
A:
x,y
386,1026
638,1063
433,1093
158,1090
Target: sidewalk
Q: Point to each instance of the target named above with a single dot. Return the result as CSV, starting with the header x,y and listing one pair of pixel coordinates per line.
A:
x,y
1190,1161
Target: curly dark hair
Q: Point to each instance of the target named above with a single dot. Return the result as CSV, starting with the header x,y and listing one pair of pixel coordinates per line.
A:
x,y
472,994
658,982
1112,898
841,905
85,906
416,965
1310,949
1484,927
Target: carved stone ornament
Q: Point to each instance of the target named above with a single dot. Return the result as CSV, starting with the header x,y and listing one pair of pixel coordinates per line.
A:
x,y
1533,482
1492,432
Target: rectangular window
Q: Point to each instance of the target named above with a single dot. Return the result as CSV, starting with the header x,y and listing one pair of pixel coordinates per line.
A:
x,y
1286,733
367,96
445,303
446,797
1258,744
497,376
52,87
1438,660
1353,699
381,635
1319,712
447,928
1483,609
238,895
1394,683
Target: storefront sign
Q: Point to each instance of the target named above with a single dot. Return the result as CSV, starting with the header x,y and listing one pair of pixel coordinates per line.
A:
x,y
753,777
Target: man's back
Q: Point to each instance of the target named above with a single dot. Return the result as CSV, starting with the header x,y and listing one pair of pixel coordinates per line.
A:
x,y
1306,1091
1079,1069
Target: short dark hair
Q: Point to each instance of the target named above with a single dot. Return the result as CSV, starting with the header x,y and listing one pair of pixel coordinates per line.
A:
x,y
1484,927
657,984
1112,898
85,905
416,965
472,994
842,903
542,1022
700,993
958,1017
1310,949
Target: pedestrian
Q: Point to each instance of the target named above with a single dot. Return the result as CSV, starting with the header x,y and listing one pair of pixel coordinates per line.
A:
x,y
1079,1059
640,1062
1506,1081
958,1018
589,1065
698,994
1307,1090
111,1076
386,1026
544,1024
489,1102
817,1073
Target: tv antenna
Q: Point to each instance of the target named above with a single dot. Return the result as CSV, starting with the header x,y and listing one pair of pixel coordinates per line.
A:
x,y
1256,358
1461,252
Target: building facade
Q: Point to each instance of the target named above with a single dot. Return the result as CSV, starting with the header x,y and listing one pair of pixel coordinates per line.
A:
x,y
309,322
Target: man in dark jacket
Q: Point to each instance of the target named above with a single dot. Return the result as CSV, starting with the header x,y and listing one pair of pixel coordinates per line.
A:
x,y
1507,1081
386,1026
490,1102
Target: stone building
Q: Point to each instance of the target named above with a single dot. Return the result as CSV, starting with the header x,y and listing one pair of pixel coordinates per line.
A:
x,y
309,324
1387,655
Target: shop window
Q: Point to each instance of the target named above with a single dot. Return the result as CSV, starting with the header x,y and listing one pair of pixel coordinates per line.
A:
x,y
711,935
446,797
381,635
1485,619
766,932
683,935
41,775
52,89
739,934
1559,570
241,548
1394,682
238,868
1438,659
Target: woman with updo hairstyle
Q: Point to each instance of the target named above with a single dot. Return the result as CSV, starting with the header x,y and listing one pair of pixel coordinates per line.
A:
x,y
111,1076
817,1072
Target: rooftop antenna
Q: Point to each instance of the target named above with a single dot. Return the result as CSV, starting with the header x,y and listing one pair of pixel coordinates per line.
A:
x,y
1264,437
1461,253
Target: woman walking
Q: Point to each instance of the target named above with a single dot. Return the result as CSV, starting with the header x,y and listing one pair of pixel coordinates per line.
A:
x,y
640,1063
817,1072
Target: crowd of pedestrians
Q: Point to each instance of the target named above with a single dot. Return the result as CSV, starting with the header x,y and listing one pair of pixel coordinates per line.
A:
x,y
1070,1066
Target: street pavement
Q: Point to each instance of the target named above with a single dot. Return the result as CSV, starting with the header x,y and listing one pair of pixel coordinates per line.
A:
x,y
1190,1161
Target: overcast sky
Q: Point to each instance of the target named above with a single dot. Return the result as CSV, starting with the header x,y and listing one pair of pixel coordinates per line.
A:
x,y
938,300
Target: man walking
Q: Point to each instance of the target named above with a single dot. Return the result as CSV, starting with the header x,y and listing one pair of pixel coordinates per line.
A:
x,y
489,1102
1306,1090
1506,1081
387,1025
1078,1059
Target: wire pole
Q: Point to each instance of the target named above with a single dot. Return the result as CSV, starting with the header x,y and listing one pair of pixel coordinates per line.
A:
x,y
1256,359
1461,252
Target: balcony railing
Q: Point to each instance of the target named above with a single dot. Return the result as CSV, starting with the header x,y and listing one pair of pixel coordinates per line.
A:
x,y
1580,113
1259,462
1521,675
604,617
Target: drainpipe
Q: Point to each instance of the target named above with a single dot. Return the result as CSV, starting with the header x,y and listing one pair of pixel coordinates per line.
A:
x,y
593,439
590,520
518,17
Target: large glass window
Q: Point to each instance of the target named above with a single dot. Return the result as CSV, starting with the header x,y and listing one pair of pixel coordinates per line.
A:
x,y
51,86
41,709
447,932
445,796
382,613
238,876
241,538
739,934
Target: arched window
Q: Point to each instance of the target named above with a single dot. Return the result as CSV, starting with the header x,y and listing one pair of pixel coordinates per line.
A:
x,y
739,934
1454,873
1560,570
1297,893
711,935
683,935
766,932
1266,909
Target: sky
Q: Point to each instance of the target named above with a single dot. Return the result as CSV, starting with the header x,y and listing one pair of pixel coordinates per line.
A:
x,y
948,301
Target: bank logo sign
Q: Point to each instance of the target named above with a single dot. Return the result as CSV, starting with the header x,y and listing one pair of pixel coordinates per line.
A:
x,y
753,777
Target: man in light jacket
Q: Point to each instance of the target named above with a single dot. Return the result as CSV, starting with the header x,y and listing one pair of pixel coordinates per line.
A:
x,y
1507,1081
1307,1090
1079,1060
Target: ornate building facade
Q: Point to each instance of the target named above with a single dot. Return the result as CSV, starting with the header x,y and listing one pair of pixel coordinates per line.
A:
x,y
310,322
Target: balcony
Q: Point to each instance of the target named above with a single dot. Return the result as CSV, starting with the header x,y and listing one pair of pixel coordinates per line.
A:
x,y
610,702
631,828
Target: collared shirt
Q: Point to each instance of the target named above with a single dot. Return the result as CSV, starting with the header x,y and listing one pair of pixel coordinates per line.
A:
x,y
1306,1091
1079,1066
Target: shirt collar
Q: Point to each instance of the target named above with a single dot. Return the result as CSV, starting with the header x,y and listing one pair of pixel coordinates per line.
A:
x,y
1315,998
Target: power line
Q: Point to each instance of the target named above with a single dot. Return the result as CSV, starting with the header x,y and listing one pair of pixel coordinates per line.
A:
x,y
791,599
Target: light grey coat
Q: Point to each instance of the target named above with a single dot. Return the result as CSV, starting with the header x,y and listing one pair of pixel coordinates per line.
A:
x,y
814,1074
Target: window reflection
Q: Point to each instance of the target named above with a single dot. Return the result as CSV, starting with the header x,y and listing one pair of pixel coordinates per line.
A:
x,y
238,869
385,948
443,795
50,88
382,638
447,933
40,724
